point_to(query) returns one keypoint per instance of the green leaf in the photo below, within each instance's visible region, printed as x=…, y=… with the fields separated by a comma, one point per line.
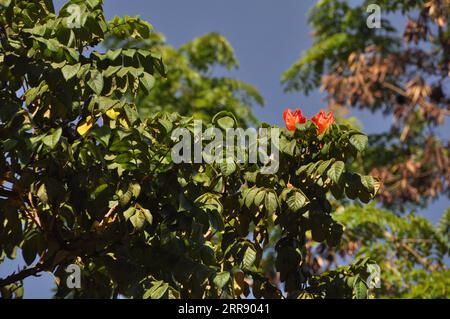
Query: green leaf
x=129, y=52
x=157, y=291
x=271, y=202
x=227, y=167
x=113, y=54
x=105, y=103
x=360, y=290
x=359, y=141
x=101, y=133
x=224, y=119
x=131, y=114
x=136, y=72
x=250, y=198
x=147, y=80
x=69, y=71
x=96, y=82
x=34, y=92
x=335, y=171
x=123, y=158
x=221, y=278
x=287, y=147
x=260, y=197
x=148, y=216
x=138, y=220
x=166, y=123
x=129, y=212
x=122, y=72
x=249, y=257
x=5, y=3
x=160, y=291
x=9, y=144
x=226, y=122
x=216, y=220
x=110, y=70
x=303, y=168
x=93, y=3
x=368, y=182
x=135, y=189
x=321, y=168
x=98, y=190
x=126, y=197
x=83, y=70
x=296, y=201
x=58, y=65
x=42, y=193
x=52, y=140
x=312, y=167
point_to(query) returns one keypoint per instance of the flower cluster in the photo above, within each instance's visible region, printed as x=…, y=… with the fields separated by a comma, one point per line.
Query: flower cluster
x=322, y=120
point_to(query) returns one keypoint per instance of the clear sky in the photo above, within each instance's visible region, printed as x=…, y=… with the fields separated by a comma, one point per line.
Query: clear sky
x=268, y=36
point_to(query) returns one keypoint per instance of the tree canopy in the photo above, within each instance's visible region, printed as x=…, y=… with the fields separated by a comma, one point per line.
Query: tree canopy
x=88, y=180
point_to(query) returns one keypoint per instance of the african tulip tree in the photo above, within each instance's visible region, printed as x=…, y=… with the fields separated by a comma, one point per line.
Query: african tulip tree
x=87, y=180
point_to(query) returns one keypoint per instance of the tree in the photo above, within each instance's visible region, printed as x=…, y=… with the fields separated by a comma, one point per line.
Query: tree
x=401, y=74
x=88, y=180
x=410, y=251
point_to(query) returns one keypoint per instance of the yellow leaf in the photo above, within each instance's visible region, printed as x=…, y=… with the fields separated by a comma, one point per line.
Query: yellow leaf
x=112, y=114
x=124, y=123
x=83, y=128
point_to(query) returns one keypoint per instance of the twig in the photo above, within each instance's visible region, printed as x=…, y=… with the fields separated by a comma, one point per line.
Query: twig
x=109, y=213
x=209, y=234
x=34, y=215
x=423, y=261
x=401, y=243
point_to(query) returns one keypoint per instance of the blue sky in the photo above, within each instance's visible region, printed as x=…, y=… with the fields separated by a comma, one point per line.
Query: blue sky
x=268, y=36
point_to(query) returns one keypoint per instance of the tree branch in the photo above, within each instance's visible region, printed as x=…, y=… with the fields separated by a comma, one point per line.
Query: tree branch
x=402, y=244
x=24, y=273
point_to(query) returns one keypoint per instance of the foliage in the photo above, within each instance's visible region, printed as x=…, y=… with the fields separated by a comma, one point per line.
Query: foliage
x=87, y=179
x=403, y=73
x=410, y=250
x=193, y=84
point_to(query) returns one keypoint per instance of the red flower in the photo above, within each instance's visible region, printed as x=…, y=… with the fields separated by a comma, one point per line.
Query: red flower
x=293, y=118
x=323, y=121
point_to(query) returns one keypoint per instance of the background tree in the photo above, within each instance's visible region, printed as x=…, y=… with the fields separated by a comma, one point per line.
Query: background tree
x=193, y=85
x=410, y=251
x=86, y=179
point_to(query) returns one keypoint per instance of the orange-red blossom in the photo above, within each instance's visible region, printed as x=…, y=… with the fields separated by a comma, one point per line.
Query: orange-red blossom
x=292, y=118
x=323, y=121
